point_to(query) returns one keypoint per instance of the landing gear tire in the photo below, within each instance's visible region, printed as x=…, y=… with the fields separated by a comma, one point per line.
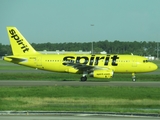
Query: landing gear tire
x=83, y=78
x=133, y=77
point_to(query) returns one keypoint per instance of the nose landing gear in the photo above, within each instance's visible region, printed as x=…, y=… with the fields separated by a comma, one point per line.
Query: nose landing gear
x=133, y=77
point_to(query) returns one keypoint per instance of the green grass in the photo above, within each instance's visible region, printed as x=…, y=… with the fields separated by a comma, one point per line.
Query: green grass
x=69, y=98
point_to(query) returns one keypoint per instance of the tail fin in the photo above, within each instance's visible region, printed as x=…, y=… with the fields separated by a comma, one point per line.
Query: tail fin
x=19, y=44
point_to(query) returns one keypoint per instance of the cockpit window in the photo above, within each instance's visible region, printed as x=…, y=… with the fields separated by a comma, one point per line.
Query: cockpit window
x=145, y=61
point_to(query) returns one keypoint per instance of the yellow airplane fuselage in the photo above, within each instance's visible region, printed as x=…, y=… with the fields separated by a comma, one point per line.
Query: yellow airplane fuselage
x=53, y=62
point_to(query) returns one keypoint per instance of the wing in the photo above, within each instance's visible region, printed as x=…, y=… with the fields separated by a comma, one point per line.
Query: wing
x=84, y=67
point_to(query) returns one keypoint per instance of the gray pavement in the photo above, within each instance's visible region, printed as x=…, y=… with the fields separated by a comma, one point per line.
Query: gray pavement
x=76, y=118
x=77, y=83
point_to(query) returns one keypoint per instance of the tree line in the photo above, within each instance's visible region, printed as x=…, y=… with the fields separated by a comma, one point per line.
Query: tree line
x=142, y=48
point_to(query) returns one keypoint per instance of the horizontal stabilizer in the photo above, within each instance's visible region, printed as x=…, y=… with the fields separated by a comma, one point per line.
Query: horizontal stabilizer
x=14, y=59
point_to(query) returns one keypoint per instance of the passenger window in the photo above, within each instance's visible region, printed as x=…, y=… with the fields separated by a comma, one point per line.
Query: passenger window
x=145, y=61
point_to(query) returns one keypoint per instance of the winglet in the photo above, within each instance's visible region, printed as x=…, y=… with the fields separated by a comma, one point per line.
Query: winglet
x=19, y=44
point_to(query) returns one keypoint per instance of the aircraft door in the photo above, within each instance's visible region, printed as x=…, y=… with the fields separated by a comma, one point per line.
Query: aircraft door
x=38, y=62
x=134, y=61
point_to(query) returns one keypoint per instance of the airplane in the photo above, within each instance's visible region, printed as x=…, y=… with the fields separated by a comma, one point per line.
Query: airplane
x=95, y=65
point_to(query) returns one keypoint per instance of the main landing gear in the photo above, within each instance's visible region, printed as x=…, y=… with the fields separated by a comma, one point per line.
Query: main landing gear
x=84, y=77
x=133, y=77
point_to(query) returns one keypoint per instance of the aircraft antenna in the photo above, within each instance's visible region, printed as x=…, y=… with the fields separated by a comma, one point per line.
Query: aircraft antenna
x=157, y=50
x=92, y=52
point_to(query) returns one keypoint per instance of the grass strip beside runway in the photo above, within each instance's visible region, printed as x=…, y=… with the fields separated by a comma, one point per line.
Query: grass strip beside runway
x=70, y=98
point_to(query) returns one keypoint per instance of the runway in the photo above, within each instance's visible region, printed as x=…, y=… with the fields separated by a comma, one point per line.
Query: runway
x=77, y=83
x=75, y=118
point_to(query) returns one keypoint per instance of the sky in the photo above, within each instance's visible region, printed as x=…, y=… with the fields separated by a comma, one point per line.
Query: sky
x=59, y=21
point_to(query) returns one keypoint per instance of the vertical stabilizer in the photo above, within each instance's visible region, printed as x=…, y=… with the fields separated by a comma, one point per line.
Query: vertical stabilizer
x=19, y=44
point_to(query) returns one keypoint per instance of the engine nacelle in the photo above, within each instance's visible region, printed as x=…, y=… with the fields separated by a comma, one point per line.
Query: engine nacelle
x=72, y=70
x=102, y=73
